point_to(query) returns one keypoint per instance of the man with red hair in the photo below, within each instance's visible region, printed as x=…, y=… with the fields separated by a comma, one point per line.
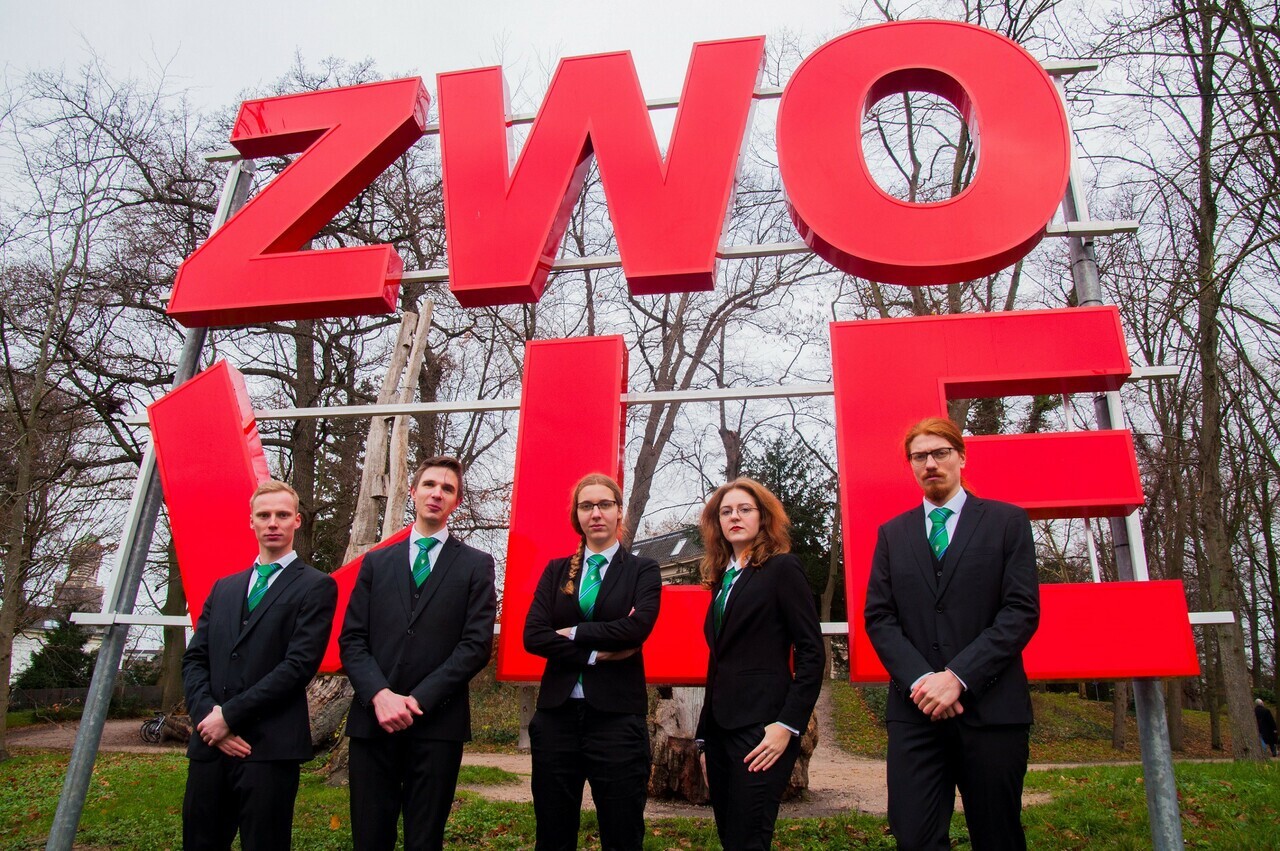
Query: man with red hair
x=952, y=601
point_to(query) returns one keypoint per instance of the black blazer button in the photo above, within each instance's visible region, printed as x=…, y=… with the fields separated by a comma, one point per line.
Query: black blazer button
x=938, y=610
x=235, y=655
x=408, y=632
x=935, y=645
x=244, y=622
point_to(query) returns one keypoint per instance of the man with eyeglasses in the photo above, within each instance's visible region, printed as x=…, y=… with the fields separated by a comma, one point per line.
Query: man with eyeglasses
x=419, y=626
x=952, y=601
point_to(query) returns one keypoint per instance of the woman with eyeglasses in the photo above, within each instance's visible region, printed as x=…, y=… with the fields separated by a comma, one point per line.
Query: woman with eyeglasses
x=761, y=618
x=591, y=613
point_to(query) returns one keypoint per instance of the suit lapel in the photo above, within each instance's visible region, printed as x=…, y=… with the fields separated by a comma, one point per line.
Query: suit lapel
x=970, y=517
x=735, y=594
x=452, y=547
x=400, y=575
x=287, y=577
x=612, y=576
x=918, y=543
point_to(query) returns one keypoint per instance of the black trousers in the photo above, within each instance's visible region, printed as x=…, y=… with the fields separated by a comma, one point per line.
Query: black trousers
x=745, y=802
x=573, y=744
x=927, y=762
x=394, y=774
x=226, y=794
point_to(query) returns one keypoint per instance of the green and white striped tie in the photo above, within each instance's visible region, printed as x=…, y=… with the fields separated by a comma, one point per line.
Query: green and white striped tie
x=259, y=589
x=590, y=585
x=938, y=531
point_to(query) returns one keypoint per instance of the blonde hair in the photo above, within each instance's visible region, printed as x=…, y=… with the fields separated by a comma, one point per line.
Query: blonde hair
x=772, y=538
x=575, y=563
x=275, y=486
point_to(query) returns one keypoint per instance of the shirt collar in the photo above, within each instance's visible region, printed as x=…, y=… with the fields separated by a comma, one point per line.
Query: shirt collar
x=955, y=503
x=414, y=535
x=284, y=560
x=608, y=553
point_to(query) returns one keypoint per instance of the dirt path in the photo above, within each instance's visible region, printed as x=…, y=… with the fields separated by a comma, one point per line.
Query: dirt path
x=838, y=782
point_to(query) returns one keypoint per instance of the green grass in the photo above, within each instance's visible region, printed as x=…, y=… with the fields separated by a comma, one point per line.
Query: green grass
x=485, y=775
x=1067, y=729
x=21, y=718
x=135, y=801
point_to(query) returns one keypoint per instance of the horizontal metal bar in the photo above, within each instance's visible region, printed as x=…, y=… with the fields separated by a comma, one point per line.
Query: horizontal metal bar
x=654, y=397
x=1094, y=228
x=828, y=627
x=1201, y=618
x=108, y=618
x=1154, y=373
x=718, y=394
x=1056, y=68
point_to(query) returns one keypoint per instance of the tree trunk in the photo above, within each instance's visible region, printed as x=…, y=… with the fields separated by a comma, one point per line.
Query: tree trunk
x=677, y=772
x=328, y=700
x=1173, y=713
x=175, y=637
x=1119, y=713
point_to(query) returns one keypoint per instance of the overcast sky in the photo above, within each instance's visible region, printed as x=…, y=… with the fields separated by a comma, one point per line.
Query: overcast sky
x=218, y=50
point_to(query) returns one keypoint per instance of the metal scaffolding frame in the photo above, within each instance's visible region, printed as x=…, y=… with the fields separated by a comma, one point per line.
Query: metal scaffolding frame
x=120, y=595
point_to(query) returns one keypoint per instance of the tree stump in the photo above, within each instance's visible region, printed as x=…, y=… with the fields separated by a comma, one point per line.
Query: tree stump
x=677, y=770
x=177, y=728
x=328, y=700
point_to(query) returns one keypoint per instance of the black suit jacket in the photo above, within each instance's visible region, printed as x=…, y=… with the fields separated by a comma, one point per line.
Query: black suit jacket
x=257, y=667
x=975, y=620
x=626, y=610
x=770, y=614
x=429, y=649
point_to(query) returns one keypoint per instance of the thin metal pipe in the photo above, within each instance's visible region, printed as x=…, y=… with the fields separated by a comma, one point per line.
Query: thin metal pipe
x=132, y=560
x=715, y=394
x=1126, y=535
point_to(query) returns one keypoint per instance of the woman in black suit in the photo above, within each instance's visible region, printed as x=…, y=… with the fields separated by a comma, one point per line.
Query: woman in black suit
x=761, y=617
x=590, y=615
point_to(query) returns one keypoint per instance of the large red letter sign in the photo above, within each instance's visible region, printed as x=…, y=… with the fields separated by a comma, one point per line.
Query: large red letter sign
x=1009, y=103
x=569, y=429
x=210, y=459
x=505, y=225
x=891, y=373
x=251, y=270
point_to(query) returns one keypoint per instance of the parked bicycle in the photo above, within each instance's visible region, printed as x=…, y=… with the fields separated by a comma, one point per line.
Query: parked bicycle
x=153, y=729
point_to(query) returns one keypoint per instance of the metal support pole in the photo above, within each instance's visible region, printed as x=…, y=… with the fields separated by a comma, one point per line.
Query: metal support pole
x=1126, y=534
x=132, y=560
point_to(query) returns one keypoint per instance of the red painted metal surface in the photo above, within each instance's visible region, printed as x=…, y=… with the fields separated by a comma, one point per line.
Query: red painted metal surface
x=1117, y=630
x=1003, y=94
x=505, y=224
x=890, y=373
x=251, y=269
x=571, y=424
x=569, y=428
x=210, y=460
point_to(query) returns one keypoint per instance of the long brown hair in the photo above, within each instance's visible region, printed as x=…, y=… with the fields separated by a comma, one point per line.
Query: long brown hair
x=772, y=539
x=575, y=563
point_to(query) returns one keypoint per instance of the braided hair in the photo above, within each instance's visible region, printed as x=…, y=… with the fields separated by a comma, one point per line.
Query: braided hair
x=575, y=563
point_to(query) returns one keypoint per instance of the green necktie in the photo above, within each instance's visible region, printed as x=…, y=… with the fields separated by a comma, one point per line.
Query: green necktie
x=938, y=531
x=590, y=585
x=422, y=561
x=723, y=596
x=259, y=589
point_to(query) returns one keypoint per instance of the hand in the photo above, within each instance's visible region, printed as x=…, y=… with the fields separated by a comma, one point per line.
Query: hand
x=235, y=746
x=764, y=755
x=616, y=655
x=702, y=763
x=395, y=711
x=938, y=695
x=213, y=729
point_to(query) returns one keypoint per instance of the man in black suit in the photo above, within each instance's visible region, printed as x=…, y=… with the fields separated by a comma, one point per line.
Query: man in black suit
x=259, y=641
x=419, y=626
x=952, y=601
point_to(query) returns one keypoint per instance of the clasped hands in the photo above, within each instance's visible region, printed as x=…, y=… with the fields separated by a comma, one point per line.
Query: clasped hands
x=395, y=712
x=938, y=695
x=215, y=733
